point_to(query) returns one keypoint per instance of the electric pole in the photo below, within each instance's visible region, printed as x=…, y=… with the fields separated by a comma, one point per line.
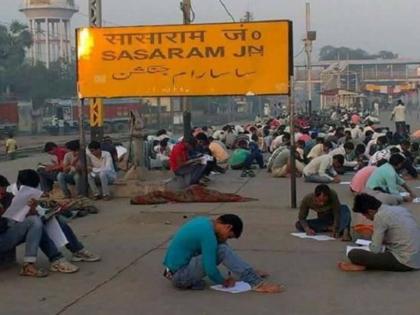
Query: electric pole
x=248, y=17
x=96, y=104
x=186, y=115
x=309, y=38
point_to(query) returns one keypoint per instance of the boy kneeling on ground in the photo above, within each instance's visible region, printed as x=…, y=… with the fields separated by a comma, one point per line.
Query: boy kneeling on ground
x=200, y=246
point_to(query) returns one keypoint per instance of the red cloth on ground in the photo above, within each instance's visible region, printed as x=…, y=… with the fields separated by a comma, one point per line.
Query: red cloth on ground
x=195, y=193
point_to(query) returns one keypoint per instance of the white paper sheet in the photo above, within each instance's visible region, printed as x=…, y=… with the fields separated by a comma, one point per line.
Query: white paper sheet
x=19, y=207
x=206, y=158
x=120, y=151
x=404, y=194
x=345, y=183
x=318, y=237
x=416, y=200
x=55, y=233
x=363, y=242
x=239, y=287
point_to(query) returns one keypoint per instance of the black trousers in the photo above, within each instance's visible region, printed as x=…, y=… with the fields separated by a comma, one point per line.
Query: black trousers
x=382, y=261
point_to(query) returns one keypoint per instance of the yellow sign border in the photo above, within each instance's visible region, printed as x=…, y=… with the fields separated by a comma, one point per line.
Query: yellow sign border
x=290, y=60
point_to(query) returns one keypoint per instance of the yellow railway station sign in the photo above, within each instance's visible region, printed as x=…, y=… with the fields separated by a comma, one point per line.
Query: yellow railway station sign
x=253, y=58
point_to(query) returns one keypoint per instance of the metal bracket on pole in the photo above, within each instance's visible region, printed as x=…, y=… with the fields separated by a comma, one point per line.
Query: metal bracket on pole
x=96, y=104
x=95, y=13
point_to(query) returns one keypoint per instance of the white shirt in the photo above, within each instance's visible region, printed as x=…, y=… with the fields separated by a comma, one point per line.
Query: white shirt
x=316, y=151
x=379, y=155
x=104, y=163
x=277, y=142
x=368, y=146
x=319, y=166
x=398, y=113
x=356, y=133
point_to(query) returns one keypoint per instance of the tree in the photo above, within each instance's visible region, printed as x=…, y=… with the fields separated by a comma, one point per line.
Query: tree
x=343, y=53
x=385, y=54
x=39, y=83
x=22, y=80
x=13, y=43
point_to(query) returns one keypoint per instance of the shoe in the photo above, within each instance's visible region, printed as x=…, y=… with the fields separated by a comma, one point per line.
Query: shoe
x=29, y=270
x=106, y=198
x=96, y=197
x=85, y=255
x=244, y=173
x=63, y=266
x=251, y=173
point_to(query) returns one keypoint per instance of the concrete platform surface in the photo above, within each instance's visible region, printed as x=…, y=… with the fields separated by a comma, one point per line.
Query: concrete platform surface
x=132, y=241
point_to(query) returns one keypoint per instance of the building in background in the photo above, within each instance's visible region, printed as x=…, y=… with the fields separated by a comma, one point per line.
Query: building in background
x=49, y=23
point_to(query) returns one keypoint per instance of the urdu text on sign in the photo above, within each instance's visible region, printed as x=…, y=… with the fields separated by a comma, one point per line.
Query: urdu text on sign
x=185, y=60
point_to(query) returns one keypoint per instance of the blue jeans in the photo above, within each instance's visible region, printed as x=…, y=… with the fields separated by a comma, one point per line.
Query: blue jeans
x=191, y=173
x=105, y=178
x=255, y=155
x=50, y=249
x=29, y=232
x=69, y=178
x=322, y=224
x=318, y=179
x=192, y=275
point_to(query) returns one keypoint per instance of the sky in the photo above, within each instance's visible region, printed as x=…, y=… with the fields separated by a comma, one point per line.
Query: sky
x=372, y=25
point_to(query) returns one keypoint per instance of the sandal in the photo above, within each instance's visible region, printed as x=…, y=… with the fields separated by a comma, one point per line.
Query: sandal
x=29, y=270
x=63, y=266
x=349, y=267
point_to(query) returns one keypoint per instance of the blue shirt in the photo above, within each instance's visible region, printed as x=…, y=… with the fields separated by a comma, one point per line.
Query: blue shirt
x=386, y=178
x=196, y=237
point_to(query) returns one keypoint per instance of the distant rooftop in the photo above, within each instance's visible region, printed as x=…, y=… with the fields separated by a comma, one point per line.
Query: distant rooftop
x=326, y=63
x=53, y=3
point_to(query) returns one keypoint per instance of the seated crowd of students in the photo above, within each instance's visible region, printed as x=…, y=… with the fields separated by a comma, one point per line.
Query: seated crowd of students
x=381, y=164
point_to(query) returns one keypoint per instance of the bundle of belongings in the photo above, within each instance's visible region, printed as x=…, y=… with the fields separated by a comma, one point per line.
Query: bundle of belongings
x=79, y=207
x=195, y=193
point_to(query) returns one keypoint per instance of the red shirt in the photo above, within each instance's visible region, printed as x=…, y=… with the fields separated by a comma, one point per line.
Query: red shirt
x=355, y=119
x=305, y=137
x=179, y=155
x=60, y=152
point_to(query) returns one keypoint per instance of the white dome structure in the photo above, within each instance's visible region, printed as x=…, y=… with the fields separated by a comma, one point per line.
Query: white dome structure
x=49, y=23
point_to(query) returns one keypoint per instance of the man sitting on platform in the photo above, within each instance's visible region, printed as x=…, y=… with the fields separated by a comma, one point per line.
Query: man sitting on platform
x=190, y=170
x=394, y=227
x=200, y=246
x=322, y=169
x=385, y=183
x=332, y=216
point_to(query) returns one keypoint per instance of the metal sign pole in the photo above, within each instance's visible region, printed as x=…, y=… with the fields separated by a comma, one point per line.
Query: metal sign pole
x=292, y=145
x=83, y=159
x=186, y=115
x=97, y=112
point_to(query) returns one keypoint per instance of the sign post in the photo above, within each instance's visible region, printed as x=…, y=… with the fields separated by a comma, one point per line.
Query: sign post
x=185, y=60
x=96, y=105
x=253, y=58
x=292, y=145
